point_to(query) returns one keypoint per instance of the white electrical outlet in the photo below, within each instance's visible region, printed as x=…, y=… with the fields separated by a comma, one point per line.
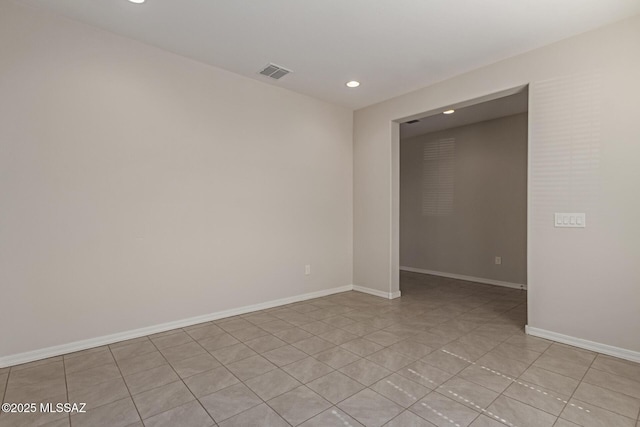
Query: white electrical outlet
x=307, y=269
x=498, y=260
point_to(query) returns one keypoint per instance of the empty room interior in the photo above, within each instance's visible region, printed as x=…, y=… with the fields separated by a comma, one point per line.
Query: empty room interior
x=285, y=213
x=463, y=193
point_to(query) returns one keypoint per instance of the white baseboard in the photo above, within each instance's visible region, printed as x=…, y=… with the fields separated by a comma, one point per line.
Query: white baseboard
x=381, y=294
x=609, y=350
x=45, y=353
x=467, y=278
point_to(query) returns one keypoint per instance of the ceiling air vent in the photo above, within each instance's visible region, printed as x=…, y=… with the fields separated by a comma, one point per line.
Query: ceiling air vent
x=274, y=71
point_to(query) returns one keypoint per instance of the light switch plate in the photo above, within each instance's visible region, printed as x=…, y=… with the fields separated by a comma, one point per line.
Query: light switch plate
x=570, y=220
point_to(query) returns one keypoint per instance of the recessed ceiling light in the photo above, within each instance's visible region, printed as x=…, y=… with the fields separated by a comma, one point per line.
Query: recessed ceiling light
x=137, y=1
x=449, y=112
x=353, y=83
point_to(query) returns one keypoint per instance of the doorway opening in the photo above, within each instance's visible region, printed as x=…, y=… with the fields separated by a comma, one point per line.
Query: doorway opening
x=462, y=195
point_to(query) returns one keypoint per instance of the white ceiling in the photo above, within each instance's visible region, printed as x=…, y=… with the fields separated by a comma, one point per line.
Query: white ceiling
x=488, y=110
x=391, y=46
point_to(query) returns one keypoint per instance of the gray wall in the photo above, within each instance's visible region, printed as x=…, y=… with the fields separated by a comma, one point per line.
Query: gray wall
x=584, y=151
x=463, y=200
x=138, y=187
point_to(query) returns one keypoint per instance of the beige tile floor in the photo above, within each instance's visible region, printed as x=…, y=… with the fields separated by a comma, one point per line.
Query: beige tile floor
x=448, y=353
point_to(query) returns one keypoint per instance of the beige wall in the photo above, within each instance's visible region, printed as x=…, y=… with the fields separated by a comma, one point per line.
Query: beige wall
x=138, y=187
x=584, y=151
x=463, y=200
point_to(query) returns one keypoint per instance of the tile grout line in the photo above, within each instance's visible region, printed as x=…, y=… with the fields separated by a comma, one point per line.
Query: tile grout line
x=66, y=385
x=574, y=391
x=484, y=410
x=302, y=384
x=424, y=404
x=135, y=373
x=565, y=402
x=4, y=391
x=437, y=387
x=518, y=382
x=500, y=394
x=609, y=373
x=533, y=388
x=6, y=386
x=181, y=380
x=580, y=382
x=239, y=381
x=125, y=384
x=221, y=365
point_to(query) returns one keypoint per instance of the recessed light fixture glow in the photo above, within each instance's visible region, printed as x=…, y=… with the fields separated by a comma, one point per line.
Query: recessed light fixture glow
x=137, y=1
x=449, y=112
x=353, y=83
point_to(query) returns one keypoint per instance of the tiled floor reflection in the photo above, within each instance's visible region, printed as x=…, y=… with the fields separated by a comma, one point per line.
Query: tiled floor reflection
x=447, y=353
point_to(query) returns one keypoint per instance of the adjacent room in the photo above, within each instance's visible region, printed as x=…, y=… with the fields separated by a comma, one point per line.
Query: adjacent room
x=463, y=193
x=285, y=213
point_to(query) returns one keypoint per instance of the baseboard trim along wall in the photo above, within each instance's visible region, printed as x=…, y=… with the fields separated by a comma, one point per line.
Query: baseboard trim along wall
x=381, y=294
x=141, y=332
x=467, y=278
x=609, y=350
x=58, y=350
